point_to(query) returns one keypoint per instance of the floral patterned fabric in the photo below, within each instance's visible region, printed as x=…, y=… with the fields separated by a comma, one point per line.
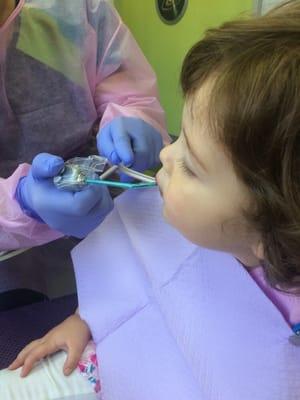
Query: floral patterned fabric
x=88, y=366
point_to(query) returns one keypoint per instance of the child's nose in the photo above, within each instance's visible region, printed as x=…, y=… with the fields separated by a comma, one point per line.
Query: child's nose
x=166, y=157
x=163, y=155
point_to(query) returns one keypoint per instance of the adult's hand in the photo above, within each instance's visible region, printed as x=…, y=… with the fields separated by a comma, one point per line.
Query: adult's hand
x=72, y=213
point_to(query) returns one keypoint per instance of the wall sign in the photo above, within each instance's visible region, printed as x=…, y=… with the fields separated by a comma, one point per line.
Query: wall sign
x=171, y=11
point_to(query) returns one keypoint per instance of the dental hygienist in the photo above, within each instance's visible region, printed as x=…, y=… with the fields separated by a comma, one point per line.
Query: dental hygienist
x=70, y=72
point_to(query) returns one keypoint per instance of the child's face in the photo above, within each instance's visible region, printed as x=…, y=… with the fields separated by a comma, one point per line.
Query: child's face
x=203, y=198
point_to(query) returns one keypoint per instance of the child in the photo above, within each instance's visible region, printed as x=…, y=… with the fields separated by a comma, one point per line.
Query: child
x=66, y=67
x=178, y=321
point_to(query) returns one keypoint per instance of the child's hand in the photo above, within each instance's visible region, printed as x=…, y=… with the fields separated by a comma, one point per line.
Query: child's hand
x=71, y=335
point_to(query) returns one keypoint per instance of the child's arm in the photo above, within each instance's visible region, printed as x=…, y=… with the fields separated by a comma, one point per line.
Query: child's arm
x=71, y=335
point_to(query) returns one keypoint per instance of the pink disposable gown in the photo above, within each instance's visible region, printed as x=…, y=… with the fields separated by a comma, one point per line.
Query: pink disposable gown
x=176, y=321
x=64, y=65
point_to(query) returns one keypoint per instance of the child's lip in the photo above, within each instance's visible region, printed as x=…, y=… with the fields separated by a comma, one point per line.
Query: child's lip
x=159, y=184
x=157, y=178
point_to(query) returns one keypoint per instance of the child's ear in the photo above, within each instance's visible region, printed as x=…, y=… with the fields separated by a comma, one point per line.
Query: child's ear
x=258, y=250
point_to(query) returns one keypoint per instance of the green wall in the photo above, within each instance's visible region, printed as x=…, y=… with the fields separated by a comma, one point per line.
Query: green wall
x=165, y=45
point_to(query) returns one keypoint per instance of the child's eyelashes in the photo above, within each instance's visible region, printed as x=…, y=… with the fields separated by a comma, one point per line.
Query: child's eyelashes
x=185, y=168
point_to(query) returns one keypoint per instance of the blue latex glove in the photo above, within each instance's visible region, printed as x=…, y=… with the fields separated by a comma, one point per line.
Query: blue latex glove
x=72, y=213
x=131, y=141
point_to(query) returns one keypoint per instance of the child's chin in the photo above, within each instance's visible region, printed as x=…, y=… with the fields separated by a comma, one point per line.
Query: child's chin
x=160, y=192
x=166, y=216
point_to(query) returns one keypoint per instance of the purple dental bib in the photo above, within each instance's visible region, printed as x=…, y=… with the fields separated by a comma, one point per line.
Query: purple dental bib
x=173, y=321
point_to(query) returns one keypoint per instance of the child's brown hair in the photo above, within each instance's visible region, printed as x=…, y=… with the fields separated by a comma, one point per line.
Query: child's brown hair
x=254, y=109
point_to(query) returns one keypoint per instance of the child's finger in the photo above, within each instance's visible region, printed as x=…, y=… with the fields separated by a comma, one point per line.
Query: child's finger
x=36, y=355
x=72, y=360
x=15, y=364
x=23, y=353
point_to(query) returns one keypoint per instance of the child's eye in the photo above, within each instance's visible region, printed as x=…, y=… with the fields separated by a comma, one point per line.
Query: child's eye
x=184, y=167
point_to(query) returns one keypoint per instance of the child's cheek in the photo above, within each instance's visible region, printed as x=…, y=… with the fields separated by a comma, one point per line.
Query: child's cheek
x=173, y=209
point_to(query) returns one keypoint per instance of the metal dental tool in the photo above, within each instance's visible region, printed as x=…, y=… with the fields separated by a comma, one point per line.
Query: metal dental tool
x=79, y=172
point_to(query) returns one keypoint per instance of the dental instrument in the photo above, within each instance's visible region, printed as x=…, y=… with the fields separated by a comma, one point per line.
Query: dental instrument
x=79, y=172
